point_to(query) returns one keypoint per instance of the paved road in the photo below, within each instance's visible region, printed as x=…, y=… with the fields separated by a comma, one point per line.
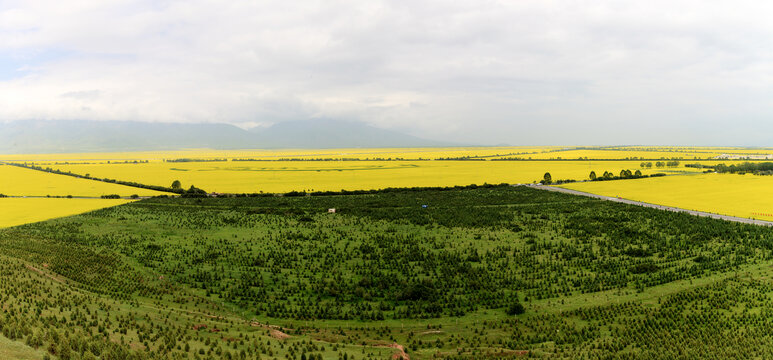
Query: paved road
x=655, y=206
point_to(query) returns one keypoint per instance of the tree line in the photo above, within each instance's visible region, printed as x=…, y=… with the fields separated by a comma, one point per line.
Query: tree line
x=660, y=164
x=547, y=179
x=765, y=168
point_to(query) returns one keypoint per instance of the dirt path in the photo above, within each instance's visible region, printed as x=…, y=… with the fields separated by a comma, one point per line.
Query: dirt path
x=655, y=206
x=46, y=274
x=400, y=353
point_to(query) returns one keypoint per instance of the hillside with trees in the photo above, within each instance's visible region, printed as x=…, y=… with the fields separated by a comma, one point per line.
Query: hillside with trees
x=494, y=271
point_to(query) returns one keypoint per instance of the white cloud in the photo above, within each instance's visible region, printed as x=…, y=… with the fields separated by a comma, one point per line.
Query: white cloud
x=474, y=71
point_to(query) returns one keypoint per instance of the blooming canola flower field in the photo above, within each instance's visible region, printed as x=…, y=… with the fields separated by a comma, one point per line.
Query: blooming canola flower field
x=523, y=152
x=285, y=176
x=29, y=192
x=279, y=171
x=17, y=181
x=347, y=153
x=747, y=196
x=17, y=211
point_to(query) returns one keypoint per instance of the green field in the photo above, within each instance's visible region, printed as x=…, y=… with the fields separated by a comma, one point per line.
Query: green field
x=443, y=273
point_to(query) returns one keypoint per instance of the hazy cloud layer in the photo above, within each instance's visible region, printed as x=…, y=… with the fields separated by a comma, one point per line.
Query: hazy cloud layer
x=518, y=72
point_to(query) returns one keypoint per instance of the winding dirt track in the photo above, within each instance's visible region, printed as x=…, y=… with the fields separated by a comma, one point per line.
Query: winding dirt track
x=655, y=206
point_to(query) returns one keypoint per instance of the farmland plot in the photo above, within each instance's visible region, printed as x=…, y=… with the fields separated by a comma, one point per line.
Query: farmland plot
x=284, y=176
x=747, y=196
x=17, y=181
x=17, y=211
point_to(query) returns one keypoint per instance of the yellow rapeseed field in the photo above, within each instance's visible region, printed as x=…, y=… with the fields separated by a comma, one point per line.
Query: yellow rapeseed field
x=623, y=154
x=284, y=176
x=533, y=152
x=747, y=196
x=729, y=194
x=695, y=149
x=536, y=152
x=18, y=181
x=17, y=211
x=358, y=153
x=636, y=152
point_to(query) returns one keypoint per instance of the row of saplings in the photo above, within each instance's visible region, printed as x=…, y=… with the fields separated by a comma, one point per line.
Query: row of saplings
x=295, y=253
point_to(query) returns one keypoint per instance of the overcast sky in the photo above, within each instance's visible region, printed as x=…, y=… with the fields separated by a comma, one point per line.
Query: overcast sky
x=517, y=72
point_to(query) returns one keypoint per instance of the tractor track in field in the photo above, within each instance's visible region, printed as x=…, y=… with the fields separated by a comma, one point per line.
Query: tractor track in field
x=655, y=206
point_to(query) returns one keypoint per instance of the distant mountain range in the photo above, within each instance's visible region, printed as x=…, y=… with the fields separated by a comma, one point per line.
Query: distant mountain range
x=48, y=136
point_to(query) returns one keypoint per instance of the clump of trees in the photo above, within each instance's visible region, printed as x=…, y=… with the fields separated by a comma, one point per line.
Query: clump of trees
x=547, y=179
x=194, y=192
x=764, y=168
x=515, y=308
x=660, y=164
x=624, y=174
x=761, y=168
x=607, y=175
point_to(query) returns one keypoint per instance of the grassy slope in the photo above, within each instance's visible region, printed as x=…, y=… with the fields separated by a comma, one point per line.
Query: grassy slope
x=10, y=349
x=718, y=310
